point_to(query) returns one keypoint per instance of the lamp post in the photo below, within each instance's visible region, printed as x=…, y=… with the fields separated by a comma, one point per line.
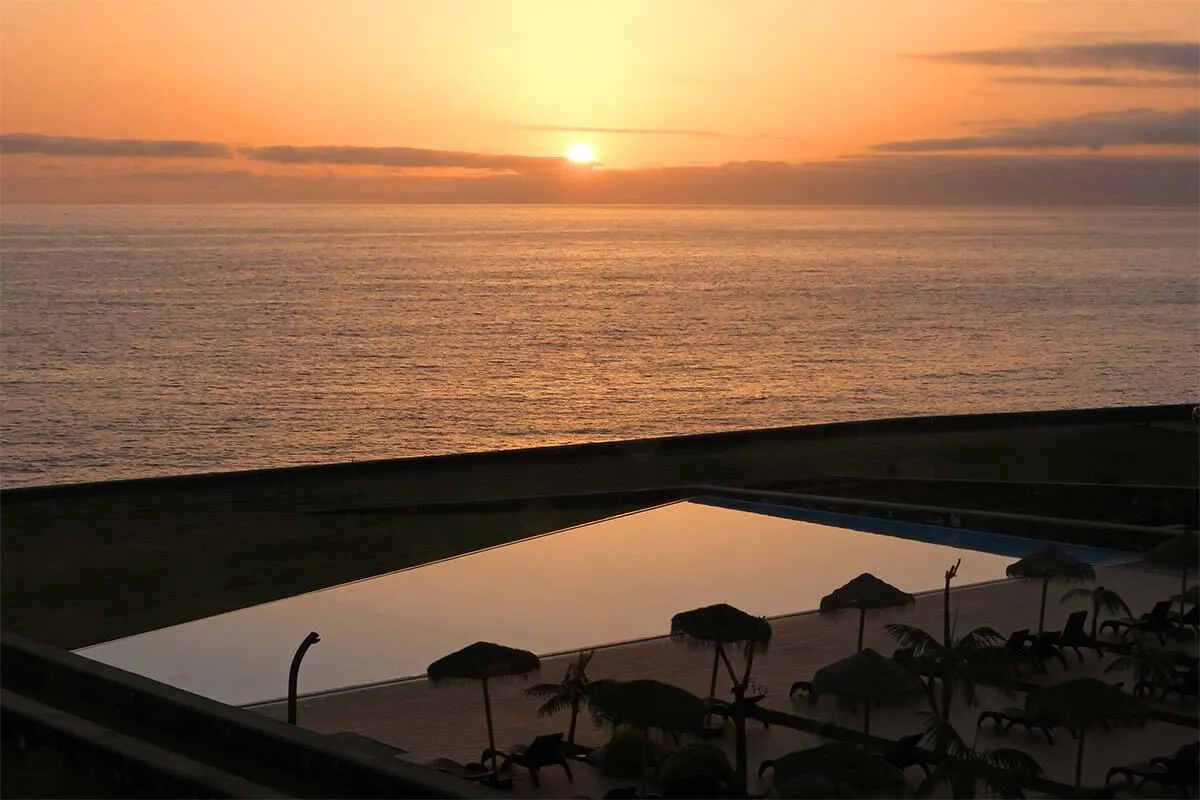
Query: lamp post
x=294, y=673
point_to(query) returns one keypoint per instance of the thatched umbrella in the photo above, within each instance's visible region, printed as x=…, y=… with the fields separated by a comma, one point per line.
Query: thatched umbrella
x=1181, y=551
x=1050, y=563
x=479, y=662
x=1083, y=703
x=645, y=705
x=718, y=626
x=867, y=677
x=865, y=593
x=840, y=763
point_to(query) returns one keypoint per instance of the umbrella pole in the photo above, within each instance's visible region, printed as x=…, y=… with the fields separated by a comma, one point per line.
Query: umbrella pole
x=867, y=718
x=712, y=689
x=1079, y=755
x=1042, y=613
x=862, y=622
x=1182, y=589
x=487, y=710
x=645, y=752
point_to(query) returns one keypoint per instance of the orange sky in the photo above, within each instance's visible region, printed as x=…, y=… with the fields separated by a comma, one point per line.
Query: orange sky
x=774, y=80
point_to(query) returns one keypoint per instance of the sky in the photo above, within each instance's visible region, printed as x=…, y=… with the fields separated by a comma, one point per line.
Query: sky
x=680, y=100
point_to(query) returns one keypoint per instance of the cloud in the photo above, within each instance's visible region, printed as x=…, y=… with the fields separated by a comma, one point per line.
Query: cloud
x=37, y=144
x=1106, y=81
x=1133, y=127
x=961, y=179
x=1171, y=57
x=399, y=157
x=192, y=175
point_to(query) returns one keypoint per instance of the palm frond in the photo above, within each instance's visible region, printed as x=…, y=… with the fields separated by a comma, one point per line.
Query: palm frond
x=1078, y=593
x=941, y=775
x=1112, y=602
x=942, y=736
x=913, y=637
x=543, y=689
x=1013, y=761
x=981, y=637
x=554, y=705
x=1149, y=664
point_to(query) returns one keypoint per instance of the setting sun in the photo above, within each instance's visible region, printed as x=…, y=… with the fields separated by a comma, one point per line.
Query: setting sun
x=581, y=153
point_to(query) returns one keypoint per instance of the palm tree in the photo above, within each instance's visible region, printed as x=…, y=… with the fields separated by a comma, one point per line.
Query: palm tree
x=1102, y=600
x=570, y=692
x=958, y=662
x=721, y=627
x=964, y=769
x=1150, y=665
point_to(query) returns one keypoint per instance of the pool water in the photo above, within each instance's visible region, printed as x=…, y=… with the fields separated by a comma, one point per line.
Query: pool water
x=615, y=580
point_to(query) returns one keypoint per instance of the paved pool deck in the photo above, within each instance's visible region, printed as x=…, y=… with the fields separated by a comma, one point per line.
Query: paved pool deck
x=431, y=722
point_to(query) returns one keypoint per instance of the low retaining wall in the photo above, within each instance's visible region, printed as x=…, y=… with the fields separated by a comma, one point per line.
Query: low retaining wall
x=632, y=450
x=291, y=760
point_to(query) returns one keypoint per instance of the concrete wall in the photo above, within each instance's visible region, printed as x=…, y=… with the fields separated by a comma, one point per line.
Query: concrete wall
x=86, y=708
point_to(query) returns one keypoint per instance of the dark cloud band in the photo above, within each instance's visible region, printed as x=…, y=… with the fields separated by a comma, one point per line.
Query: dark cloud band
x=1134, y=127
x=38, y=144
x=398, y=157
x=1173, y=57
x=1103, y=81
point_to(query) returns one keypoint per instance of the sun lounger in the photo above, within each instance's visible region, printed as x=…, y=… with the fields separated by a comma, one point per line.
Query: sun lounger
x=1191, y=618
x=1074, y=636
x=544, y=751
x=1011, y=716
x=1043, y=648
x=1185, y=683
x=1156, y=621
x=1177, y=771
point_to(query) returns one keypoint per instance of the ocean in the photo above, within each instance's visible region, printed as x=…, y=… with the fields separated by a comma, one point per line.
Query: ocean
x=159, y=340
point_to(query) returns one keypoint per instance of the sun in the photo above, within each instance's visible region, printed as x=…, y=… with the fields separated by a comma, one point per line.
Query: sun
x=581, y=153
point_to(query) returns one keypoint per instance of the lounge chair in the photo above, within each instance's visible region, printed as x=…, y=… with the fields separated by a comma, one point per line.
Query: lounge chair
x=1186, y=627
x=1075, y=636
x=1017, y=640
x=1011, y=716
x=1185, y=683
x=1156, y=621
x=1044, y=647
x=905, y=752
x=1178, y=771
x=544, y=751
x=1016, y=649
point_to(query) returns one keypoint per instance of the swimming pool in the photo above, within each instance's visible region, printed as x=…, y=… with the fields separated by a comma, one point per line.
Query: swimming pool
x=615, y=580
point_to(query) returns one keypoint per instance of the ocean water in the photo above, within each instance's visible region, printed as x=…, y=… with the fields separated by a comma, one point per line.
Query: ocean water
x=139, y=341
